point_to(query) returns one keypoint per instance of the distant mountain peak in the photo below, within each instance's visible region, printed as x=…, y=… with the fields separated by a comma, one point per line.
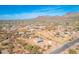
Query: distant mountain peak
x=72, y=14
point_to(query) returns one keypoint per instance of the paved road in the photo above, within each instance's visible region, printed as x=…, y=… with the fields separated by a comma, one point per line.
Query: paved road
x=65, y=46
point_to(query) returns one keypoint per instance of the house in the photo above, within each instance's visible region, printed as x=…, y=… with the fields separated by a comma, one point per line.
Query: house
x=38, y=39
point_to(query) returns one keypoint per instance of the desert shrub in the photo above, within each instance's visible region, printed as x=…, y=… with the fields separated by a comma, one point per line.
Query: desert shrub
x=72, y=51
x=28, y=47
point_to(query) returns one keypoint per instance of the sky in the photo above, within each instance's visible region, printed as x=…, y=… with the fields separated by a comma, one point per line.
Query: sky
x=10, y=12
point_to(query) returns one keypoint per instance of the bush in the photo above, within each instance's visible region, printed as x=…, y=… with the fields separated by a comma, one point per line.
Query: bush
x=72, y=51
x=28, y=47
x=32, y=48
x=35, y=49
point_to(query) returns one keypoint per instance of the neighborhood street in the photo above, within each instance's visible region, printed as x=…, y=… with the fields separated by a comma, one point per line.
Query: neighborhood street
x=65, y=46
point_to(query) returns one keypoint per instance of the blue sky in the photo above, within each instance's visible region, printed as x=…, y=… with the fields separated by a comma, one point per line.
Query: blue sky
x=32, y=11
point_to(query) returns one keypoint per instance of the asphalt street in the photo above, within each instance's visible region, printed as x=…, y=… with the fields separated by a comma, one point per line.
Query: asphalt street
x=65, y=46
